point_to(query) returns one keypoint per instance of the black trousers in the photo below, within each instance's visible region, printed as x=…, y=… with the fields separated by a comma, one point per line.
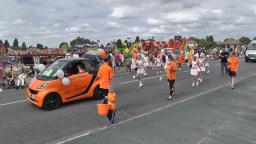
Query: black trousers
x=104, y=93
x=171, y=84
x=111, y=116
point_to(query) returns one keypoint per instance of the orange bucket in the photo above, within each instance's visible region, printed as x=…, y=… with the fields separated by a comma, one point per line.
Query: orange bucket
x=103, y=109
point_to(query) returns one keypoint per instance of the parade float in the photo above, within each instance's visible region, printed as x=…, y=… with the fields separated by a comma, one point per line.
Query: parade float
x=178, y=43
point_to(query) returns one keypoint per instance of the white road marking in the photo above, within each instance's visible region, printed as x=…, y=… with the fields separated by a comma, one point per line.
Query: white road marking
x=4, y=104
x=138, y=80
x=148, y=113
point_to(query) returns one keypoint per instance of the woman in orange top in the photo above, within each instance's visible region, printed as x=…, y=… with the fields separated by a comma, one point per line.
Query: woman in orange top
x=112, y=98
x=180, y=60
x=105, y=75
x=232, y=67
x=171, y=69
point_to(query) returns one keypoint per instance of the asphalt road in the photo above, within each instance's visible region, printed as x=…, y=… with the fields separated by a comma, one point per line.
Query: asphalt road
x=22, y=122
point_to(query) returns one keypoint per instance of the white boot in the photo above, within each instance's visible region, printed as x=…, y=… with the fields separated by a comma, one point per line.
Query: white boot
x=141, y=84
x=161, y=78
x=133, y=76
x=170, y=97
x=193, y=84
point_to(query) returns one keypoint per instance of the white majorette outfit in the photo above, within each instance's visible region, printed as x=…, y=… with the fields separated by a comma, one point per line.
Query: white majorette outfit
x=146, y=61
x=207, y=64
x=133, y=67
x=194, y=68
x=201, y=62
x=140, y=65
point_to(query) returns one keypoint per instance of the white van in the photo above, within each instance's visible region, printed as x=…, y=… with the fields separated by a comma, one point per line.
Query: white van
x=250, y=54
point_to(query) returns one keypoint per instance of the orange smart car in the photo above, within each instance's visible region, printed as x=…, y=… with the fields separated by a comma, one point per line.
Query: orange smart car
x=48, y=92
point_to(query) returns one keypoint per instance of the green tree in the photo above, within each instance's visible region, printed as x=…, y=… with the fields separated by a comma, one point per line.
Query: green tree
x=80, y=41
x=245, y=40
x=15, y=43
x=254, y=38
x=102, y=46
x=137, y=39
x=39, y=46
x=24, y=46
x=210, y=38
x=6, y=44
x=119, y=43
x=65, y=46
x=1, y=42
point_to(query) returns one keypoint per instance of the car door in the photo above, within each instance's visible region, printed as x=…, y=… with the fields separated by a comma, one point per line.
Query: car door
x=79, y=81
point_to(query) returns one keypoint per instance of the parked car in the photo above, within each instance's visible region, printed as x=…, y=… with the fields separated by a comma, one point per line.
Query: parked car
x=250, y=53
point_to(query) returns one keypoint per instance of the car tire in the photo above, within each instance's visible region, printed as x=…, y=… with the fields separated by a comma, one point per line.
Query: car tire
x=51, y=102
x=246, y=60
x=97, y=94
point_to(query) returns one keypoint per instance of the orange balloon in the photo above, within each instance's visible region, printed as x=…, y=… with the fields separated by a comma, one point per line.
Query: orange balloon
x=102, y=53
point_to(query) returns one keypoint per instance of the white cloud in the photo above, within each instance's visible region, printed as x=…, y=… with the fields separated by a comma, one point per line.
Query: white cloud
x=56, y=25
x=4, y=33
x=125, y=12
x=182, y=17
x=72, y=29
x=17, y=22
x=111, y=25
x=136, y=29
x=154, y=21
x=158, y=31
x=185, y=30
x=227, y=27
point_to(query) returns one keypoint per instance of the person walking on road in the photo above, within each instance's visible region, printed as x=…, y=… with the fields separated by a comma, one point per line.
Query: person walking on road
x=105, y=75
x=223, y=63
x=201, y=69
x=141, y=70
x=232, y=67
x=194, y=71
x=180, y=60
x=112, y=102
x=171, y=69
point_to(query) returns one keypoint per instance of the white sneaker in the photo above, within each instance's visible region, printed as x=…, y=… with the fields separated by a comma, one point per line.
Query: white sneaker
x=208, y=72
x=180, y=69
x=193, y=84
x=197, y=83
x=170, y=97
x=1, y=90
x=145, y=74
x=133, y=76
x=157, y=73
x=140, y=84
x=161, y=78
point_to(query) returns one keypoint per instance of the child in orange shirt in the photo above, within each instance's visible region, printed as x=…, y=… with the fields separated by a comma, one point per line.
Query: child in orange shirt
x=171, y=69
x=112, y=102
x=232, y=67
x=180, y=60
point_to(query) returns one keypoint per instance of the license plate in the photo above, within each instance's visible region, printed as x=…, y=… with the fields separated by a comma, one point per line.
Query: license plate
x=252, y=57
x=32, y=96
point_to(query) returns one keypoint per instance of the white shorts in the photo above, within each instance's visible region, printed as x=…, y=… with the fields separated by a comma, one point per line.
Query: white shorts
x=194, y=72
x=140, y=71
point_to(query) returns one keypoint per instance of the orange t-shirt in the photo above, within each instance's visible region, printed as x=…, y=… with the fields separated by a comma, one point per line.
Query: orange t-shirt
x=233, y=63
x=105, y=75
x=112, y=98
x=171, y=70
x=181, y=59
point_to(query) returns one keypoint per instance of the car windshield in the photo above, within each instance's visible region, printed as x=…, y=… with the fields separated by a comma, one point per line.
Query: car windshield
x=252, y=47
x=50, y=72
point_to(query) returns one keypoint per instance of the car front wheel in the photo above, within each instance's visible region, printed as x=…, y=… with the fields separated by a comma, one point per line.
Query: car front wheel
x=51, y=102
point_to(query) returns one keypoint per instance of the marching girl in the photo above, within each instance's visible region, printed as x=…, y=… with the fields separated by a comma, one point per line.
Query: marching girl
x=158, y=64
x=146, y=63
x=133, y=66
x=194, y=71
x=141, y=70
x=207, y=64
x=201, y=69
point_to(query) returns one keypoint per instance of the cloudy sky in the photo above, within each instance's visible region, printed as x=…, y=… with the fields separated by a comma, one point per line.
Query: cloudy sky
x=52, y=21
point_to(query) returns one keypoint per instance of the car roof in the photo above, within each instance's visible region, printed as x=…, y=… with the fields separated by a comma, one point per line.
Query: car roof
x=73, y=59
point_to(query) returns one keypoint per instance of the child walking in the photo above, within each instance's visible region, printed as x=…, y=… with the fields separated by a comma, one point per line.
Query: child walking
x=112, y=102
x=171, y=69
x=194, y=71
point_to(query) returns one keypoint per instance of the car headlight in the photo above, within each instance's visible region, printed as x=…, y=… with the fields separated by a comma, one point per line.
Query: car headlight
x=42, y=86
